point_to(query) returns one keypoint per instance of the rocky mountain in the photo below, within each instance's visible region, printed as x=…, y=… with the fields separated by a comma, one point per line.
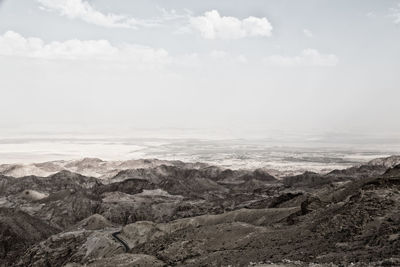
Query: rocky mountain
x=93, y=167
x=388, y=162
x=180, y=214
x=375, y=167
x=18, y=231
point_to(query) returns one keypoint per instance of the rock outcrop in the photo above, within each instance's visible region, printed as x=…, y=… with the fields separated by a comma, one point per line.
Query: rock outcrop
x=167, y=215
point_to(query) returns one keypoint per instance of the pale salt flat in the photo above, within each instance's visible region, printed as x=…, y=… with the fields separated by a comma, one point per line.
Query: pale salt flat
x=285, y=159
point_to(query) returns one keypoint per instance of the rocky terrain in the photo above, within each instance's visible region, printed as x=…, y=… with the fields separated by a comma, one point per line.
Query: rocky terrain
x=93, y=167
x=168, y=213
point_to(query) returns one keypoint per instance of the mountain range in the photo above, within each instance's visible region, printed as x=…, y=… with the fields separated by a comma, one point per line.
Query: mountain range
x=152, y=212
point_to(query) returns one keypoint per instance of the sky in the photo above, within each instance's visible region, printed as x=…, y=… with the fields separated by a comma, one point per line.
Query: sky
x=240, y=68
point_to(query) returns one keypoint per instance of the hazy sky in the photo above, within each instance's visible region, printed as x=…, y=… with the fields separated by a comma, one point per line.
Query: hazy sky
x=258, y=67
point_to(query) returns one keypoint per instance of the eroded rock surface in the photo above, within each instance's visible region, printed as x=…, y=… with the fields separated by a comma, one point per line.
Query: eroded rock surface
x=199, y=215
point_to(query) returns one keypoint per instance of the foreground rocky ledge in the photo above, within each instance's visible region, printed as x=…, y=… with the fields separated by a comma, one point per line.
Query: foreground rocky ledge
x=199, y=215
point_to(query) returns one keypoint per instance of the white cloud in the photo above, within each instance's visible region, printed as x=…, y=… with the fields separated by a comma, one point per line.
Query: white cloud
x=371, y=15
x=241, y=59
x=104, y=53
x=213, y=26
x=308, y=33
x=223, y=56
x=172, y=14
x=218, y=54
x=395, y=14
x=15, y=45
x=81, y=9
x=308, y=58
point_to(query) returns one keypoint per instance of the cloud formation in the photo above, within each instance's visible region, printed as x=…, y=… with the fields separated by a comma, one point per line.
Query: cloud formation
x=81, y=9
x=16, y=45
x=396, y=14
x=104, y=53
x=214, y=26
x=223, y=56
x=308, y=33
x=13, y=44
x=307, y=58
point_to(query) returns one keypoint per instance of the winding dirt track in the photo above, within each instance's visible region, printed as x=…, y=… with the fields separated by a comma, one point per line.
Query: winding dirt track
x=115, y=235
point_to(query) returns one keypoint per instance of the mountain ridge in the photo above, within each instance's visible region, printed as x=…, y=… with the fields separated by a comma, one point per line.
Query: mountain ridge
x=247, y=214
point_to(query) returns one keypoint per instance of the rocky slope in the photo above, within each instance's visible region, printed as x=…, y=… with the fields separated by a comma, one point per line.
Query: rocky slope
x=93, y=167
x=200, y=215
x=18, y=231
